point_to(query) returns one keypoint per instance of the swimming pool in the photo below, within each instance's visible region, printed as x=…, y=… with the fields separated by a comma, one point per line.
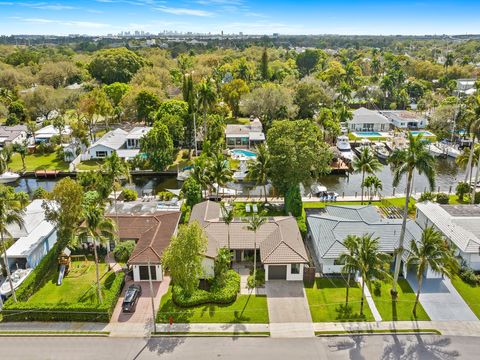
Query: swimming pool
x=423, y=132
x=245, y=153
x=368, y=134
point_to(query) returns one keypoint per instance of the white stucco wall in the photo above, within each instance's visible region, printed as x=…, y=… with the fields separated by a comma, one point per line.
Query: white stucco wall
x=290, y=276
x=328, y=266
x=93, y=151
x=136, y=272
x=208, y=267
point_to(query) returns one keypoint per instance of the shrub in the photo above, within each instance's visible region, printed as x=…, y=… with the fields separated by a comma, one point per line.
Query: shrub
x=45, y=148
x=192, y=191
x=123, y=250
x=462, y=189
x=225, y=294
x=260, y=279
x=427, y=196
x=477, y=197
x=442, y=198
x=165, y=196
x=293, y=201
x=186, y=211
x=40, y=193
x=468, y=276
x=377, y=287
x=129, y=195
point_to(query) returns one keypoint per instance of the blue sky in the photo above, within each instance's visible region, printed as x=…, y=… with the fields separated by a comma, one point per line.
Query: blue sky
x=232, y=16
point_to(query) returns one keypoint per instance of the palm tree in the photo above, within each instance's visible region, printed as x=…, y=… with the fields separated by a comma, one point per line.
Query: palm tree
x=405, y=162
x=258, y=168
x=98, y=229
x=431, y=252
x=369, y=262
x=367, y=162
x=220, y=171
x=254, y=223
x=206, y=99
x=464, y=161
x=373, y=184
x=21, y=149
x=349, y=259
x=116, y=168
x=11, y=212
x=200, y=172
x=227, y=216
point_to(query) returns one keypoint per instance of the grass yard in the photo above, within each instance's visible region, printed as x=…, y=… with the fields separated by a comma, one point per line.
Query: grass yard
x=469, y=293
x=237, y=121
x=326, y=299
x=37, y=162
x=246, y=309
x=400, y=309
x=180, y=161
x=90, y=165
x=78, y=286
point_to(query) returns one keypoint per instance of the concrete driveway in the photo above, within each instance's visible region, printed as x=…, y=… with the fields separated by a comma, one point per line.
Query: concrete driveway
x=288, y=309
x=441, y=300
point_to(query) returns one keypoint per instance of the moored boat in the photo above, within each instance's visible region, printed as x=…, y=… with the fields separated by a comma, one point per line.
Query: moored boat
x=8, y=177
x=343, y=144
x=18, y=277
x=381, y=151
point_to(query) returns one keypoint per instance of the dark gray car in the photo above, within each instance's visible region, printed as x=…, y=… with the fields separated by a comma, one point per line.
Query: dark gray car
x=132, y=295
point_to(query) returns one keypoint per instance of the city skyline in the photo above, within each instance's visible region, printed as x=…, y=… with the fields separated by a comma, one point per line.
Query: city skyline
x=102, y=17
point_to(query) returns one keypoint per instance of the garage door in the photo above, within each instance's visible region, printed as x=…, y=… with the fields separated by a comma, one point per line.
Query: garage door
x=277, y=272
x=144, y=272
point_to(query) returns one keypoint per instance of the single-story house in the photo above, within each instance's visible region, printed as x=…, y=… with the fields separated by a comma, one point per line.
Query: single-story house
x=244, y=136
x=45, y=133
x=16, y=134
x=279, y=244
x=466, y=87
x=125, y=144
x=460, y=224
x=368, y=120
x=33, y=240
x=403, y=119
x=329, y=227
x=151, y=230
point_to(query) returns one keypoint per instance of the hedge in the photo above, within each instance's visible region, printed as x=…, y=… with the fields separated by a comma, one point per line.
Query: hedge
x=25, y=311
x=218, y=294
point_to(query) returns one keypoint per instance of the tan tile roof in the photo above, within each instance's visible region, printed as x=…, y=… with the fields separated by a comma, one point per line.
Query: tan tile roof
x=279, y=239
x=152, y=232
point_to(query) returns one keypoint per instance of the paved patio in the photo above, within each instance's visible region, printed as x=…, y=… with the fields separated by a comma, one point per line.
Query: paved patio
x=441, y=300
x=244, y=272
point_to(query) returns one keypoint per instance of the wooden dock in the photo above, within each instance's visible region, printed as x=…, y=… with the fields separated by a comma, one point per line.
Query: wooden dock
x=46, y=173
x=339, y=167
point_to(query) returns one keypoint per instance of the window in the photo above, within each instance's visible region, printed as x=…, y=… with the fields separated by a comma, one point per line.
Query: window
x=101, y=154
x=295, y=269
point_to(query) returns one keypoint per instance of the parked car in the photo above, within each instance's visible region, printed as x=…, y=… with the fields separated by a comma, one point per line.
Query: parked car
x=132, y=295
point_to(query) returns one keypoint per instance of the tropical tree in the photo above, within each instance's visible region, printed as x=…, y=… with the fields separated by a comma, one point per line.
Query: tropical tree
x=349, y=259
x=206, y=99
x=373, y=184
x=97, y=229
x=366, y=162
x=220, y=171
x=11, y=212
x=200, y=172
x=404, y=162
x=157, y=144
x=227, y=216
x=431, y=252
x=259, y=167
x=21, y=149
x=116, y=168
x=254, y=223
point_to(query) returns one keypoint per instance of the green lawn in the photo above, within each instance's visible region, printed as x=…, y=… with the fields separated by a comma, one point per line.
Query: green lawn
x=400, y=309
x=246, y=309
x=180, y=161
x=90, y=165
x=469, y=293
x=78, y=286
x=239, y=121
x=37, y=162
x=326, y=299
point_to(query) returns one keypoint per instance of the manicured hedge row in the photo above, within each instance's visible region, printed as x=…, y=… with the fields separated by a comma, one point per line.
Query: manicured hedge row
x=225, y=294
x=25, y=311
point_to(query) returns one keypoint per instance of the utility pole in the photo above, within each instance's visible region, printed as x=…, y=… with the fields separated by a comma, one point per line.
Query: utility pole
x=152, y=297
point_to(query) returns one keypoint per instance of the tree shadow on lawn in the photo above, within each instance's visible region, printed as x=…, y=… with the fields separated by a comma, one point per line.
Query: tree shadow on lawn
x=345, y=313
x=178, y=314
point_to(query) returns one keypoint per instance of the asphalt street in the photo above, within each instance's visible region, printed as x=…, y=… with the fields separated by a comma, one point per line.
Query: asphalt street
x=390, y=347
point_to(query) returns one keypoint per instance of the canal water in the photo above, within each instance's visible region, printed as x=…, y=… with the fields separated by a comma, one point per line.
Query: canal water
x=448, y=175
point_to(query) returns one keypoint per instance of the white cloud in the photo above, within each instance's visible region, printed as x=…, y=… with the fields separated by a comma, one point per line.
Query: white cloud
x=183, y=11
x=71, y=23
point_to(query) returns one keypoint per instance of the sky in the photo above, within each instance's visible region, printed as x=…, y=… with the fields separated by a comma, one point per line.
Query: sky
x=349, y=17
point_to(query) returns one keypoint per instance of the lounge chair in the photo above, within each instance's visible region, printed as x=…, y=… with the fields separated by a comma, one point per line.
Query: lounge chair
x=255, y=208
x=247, y=208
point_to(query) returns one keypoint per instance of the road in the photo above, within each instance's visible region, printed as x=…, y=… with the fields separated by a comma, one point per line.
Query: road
x=354, y=347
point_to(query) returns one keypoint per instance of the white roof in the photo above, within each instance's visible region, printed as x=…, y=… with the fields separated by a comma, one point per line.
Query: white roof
x=138, y=132
x=458, y=229
x=365, y=116
x=256, y=136
x=127, y=153
x=49, y=131
x=113, y=139
x=34, y=215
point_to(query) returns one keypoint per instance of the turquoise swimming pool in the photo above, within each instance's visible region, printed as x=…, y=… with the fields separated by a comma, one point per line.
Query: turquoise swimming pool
x=241, y=152
x=368, y=134
x=423, y=132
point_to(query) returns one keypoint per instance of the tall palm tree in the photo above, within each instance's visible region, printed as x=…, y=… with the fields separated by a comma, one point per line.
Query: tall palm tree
x=431, y=252
x=116, y=168
x=227, y=216
x=11, y=212
x=405, y=161
x=220, y=171
x=258, y=168
x=465, y=162
x=367, y=162
x=370, y=262
x=373, y=184
x=200, y=173
x=98, y=229
x=206, y=99
x=349, y=259
x=254, y=223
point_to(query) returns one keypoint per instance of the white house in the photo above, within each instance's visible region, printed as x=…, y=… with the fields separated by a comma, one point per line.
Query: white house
x=125, y=144
x=16, y=134
x=368, y=120
x=403, y=119
x=45, y=133
x=33, y=240
x=279, y=244
x=244, y=136
x=460, y=224
x=328, y=229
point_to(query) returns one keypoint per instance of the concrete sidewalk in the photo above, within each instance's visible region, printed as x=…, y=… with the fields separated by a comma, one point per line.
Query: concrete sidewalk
x=53, y=326
x=370, y=302
x=213, y=328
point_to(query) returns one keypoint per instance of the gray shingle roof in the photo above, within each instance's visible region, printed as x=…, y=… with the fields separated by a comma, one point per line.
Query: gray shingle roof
x=113, y=139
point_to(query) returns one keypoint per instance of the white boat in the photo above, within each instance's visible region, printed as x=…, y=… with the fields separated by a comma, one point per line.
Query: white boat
x=8, y=177
x=316, y=189
x=381, y=151
x=435, y=150
x=18, y=276
x=343, y=144
x=224, y=190
x=184, y=174
x=450, y=150
x=242, y=172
